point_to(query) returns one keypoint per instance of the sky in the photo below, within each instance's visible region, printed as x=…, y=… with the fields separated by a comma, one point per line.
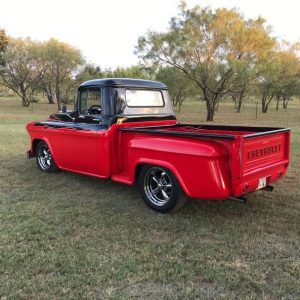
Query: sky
x=107, y=31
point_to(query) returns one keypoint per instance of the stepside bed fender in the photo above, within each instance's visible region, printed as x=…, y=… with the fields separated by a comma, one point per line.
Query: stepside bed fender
x=200, y=166
x=160, y=163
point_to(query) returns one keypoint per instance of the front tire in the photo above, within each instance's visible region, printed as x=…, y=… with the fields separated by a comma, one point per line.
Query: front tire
x=44, y=158
x=160, y=189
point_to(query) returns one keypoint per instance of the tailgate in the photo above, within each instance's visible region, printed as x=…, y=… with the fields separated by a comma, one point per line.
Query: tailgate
x=263, y=159
x=264, y=151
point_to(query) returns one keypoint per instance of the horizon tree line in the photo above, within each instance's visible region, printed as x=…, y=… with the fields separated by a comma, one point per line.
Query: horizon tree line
x=205, y=54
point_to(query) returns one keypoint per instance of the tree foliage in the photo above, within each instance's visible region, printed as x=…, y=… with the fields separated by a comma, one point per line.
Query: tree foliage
x=91, y=71
x=179, y=85
x=30, y=66
x=23, y=70
x=3, y=46
x=213, y=54
x=62, y=63
x=88, y=72
x=135, y=71
x=211, y=47
x=280, y=77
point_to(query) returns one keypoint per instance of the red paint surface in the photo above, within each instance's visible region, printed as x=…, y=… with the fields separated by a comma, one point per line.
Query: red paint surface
x=206, y=168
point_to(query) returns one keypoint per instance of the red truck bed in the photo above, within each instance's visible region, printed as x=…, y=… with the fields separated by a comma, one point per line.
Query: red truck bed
x=256, y=156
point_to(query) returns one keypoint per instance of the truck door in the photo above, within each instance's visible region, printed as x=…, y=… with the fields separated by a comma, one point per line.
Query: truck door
x=82, y=144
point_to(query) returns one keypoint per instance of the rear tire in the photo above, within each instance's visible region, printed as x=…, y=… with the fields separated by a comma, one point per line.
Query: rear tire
x=44, y=158
x=160, y=189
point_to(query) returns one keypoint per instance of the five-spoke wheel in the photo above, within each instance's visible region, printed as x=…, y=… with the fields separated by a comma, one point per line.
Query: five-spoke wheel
x=160, y=189
x=158, y=186
x=44, y=158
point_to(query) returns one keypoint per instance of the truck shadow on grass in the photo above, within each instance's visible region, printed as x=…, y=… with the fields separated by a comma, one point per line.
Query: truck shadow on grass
x=107, y=195
x=77, y=199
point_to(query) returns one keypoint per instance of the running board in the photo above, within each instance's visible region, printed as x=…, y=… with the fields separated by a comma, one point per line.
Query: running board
x=121, y=177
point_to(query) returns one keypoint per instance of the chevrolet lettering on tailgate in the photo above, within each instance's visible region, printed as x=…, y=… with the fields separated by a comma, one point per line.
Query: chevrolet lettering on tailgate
x=264, y=151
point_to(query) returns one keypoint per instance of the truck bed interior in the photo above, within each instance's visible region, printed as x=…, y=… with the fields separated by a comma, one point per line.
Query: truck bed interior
x=216, y=131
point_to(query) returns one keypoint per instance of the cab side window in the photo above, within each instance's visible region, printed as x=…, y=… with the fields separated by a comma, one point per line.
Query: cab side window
x=90, y=101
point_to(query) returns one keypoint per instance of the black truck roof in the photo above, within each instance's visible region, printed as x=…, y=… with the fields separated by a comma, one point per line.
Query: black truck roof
x=125, y=82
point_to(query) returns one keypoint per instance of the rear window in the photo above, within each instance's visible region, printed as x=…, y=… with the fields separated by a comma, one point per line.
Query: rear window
x=144, y=98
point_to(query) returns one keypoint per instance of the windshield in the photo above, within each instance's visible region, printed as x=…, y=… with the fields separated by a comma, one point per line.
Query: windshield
x=144, y=98
x=132, y=101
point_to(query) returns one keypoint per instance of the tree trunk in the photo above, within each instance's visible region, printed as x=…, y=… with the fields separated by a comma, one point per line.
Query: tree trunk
x=180, y=104
x=49, y=94
x=239, y=102
x=25, y=99
x=210, y=115
x=217, y=105
x=57, y=94
x=179, y=107
x=50, y=99
x=23, y=102
x=285, y=102
x=211, y=106
x=234, y=99
x=265, y=103
x=277, y=102
x=264, y=108
x=175, y=101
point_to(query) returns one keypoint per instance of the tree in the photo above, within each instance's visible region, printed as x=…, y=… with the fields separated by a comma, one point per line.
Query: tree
x=280, y=77
x=89, y=72
x=256, y=47
x=136, y=71
x=130, y=72
x=3, y=46
x=179, y=85
x=293, y=89
x=288, y=76
x=208, y=47
x=22, y=70
x=244, y=81
x=61, y=62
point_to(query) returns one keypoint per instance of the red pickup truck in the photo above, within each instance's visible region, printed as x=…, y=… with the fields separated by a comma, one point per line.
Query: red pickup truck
x=126, y=130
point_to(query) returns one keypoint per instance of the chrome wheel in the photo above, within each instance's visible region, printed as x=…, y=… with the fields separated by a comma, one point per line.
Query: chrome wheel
x=158, y=186
x=160, y=189
x=44, y=157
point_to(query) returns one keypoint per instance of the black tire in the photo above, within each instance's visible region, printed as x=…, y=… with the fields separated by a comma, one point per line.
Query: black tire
x=44, y=158
x=160, y=189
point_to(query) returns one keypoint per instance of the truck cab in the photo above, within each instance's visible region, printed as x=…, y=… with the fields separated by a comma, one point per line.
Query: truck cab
x=106, y=101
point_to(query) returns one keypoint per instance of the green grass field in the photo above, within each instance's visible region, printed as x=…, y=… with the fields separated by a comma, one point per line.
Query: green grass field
x=68, y=236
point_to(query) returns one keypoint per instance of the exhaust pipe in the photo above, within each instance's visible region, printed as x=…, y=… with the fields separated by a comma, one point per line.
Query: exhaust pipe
x=268, y=188
x=238, y=199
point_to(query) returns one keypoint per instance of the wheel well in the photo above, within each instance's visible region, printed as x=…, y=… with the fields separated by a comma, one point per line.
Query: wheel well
x=138, y=171
x=176, y=175
x=34, y=144
x=141, y=165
